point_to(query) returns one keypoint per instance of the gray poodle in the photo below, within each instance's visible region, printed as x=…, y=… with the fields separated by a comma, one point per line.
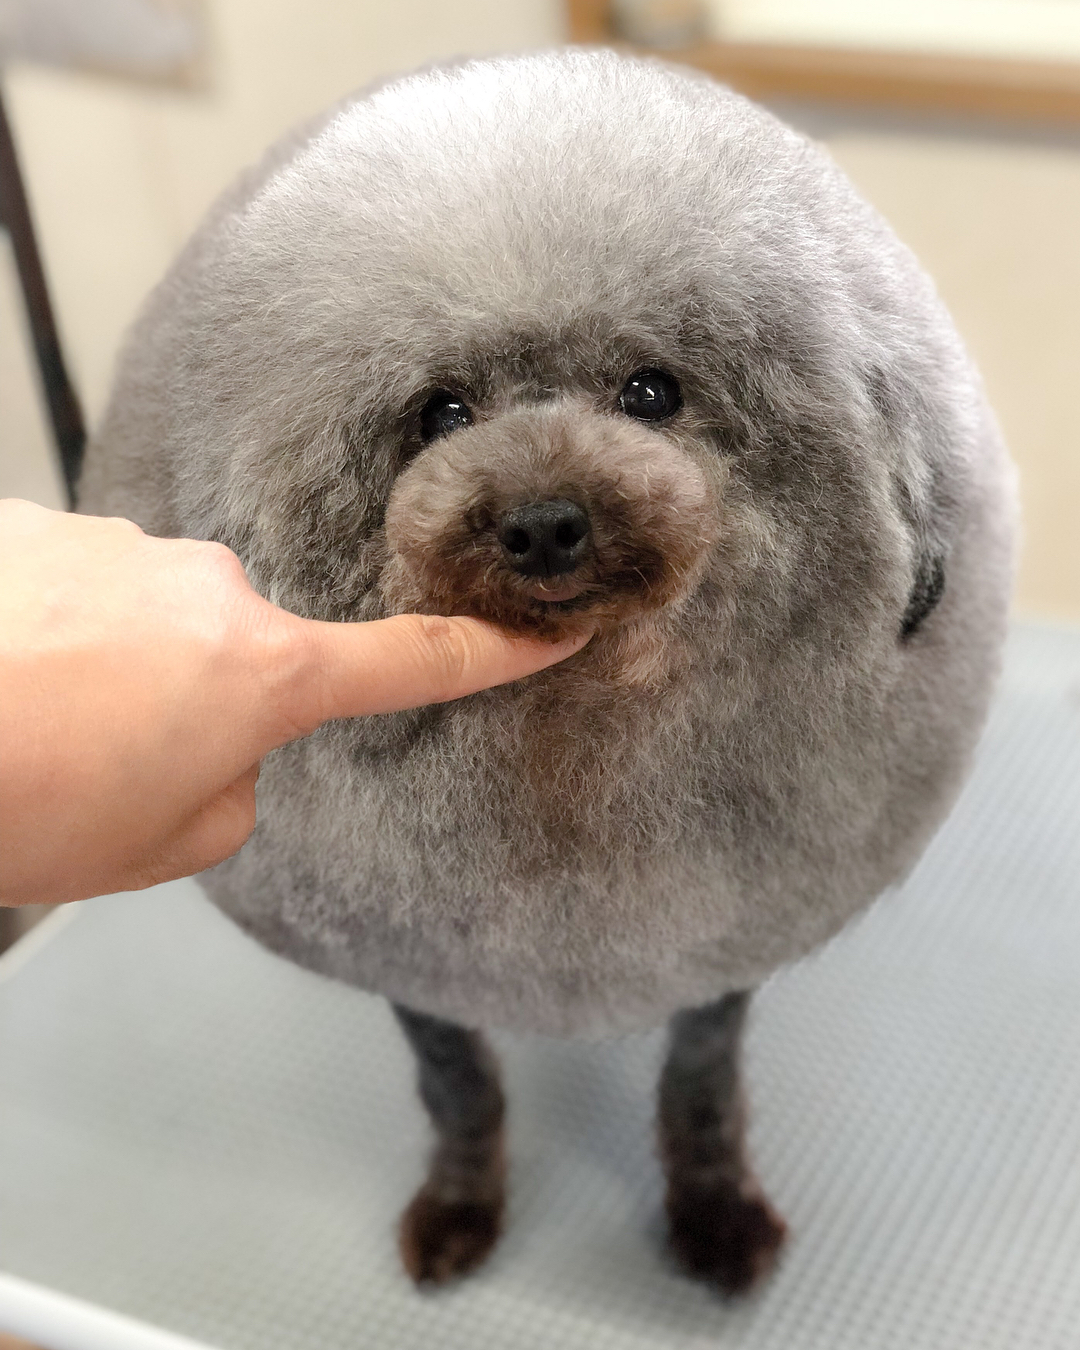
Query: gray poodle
x=562, y=340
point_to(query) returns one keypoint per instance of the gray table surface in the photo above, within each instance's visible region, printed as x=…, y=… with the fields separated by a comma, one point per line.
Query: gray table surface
x=199, y=1135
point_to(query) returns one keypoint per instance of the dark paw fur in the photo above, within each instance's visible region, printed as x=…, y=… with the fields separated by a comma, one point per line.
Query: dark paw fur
x=440, y=1241
x=723, y=1236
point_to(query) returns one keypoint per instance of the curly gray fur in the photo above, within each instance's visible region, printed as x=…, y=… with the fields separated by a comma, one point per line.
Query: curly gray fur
x=781, y=701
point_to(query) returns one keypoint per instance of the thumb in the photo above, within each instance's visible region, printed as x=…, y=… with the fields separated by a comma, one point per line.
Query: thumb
x=407, y=661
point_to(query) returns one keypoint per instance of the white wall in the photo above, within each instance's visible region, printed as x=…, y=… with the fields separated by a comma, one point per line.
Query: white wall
x=120, y=174
x=1013, y=29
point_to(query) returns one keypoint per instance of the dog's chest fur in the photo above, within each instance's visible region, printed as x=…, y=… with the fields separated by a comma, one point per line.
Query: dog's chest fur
x=525, y=861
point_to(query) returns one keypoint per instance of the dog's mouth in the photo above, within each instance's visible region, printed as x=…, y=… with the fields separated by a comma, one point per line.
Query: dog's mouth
x=557, y=605
x=557, y=590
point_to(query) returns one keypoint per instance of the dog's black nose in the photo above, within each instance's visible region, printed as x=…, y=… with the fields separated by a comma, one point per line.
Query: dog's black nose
x=544, y=539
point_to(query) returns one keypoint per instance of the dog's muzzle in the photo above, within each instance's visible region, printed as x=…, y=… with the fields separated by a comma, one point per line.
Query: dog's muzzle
x=546, y=520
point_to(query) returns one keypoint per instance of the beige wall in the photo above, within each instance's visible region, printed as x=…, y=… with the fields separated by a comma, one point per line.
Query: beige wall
x=119, y=175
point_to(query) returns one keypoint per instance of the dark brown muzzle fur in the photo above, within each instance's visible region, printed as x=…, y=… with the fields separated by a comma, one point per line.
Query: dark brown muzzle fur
x=650, y=514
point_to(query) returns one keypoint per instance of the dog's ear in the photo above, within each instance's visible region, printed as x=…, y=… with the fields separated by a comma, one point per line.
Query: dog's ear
x=926, y=592
x=925, y=503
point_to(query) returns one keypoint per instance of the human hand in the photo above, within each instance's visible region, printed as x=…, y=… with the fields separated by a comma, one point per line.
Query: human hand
x=142, y=680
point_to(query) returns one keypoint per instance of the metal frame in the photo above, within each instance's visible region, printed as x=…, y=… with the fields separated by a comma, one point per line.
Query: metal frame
x=65, y=414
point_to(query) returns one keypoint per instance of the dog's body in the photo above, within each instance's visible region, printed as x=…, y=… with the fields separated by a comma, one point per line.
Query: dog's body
x=619, y=291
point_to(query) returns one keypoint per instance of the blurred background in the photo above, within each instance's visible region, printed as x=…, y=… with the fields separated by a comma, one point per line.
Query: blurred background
x=119, y=171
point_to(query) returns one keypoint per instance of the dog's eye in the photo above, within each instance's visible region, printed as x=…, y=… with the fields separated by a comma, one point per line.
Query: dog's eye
x=650, y=396
x=442, y=414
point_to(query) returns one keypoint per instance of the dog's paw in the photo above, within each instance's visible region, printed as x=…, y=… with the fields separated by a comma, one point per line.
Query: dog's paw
x=723, y=1235
x=441, y=1240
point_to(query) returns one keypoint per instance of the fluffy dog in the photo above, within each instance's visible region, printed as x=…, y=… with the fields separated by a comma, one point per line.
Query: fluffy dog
x=575, y=339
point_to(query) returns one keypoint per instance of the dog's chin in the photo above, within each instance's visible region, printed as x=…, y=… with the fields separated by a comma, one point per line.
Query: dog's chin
x=632, y=645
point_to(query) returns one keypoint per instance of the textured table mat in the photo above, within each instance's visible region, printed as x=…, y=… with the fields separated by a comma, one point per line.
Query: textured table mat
x=197, y=1134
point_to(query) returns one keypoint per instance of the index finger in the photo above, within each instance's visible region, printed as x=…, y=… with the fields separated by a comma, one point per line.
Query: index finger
x=407, y=661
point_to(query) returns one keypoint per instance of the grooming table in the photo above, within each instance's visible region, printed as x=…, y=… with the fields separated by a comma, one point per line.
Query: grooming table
x=199, y=1138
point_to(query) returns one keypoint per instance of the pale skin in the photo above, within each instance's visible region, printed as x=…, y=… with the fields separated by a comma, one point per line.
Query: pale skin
x=143, y=680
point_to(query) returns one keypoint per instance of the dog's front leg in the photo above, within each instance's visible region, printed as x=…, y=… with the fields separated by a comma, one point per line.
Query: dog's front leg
x=455, y=1218
x=722, y=1228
